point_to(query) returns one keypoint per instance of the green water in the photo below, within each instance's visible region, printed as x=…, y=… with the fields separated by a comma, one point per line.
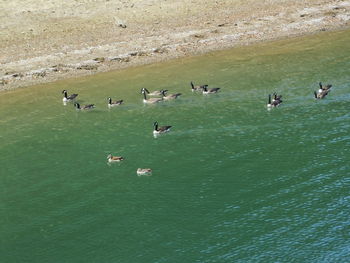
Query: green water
x=232, y=181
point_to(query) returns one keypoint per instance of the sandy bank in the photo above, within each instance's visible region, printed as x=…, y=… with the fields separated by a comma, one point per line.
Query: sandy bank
x=42, y=41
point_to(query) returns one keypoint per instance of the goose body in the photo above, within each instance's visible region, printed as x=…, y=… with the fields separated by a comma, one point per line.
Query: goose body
x=113, y=159
x=67, y=98
x=157, y=92
x=159, y=130
x=197, y=88
x=321, y=95
x=210, y=91
x=144, y=171
x=170, y=96
x=322, y=91
x=114, y=103
x=150, y=100
x=84, y=107
x=275, y=102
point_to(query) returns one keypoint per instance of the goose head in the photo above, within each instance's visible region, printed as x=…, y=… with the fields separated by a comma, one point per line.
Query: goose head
x=192, y=85
x=155, y=125
x=144, y=91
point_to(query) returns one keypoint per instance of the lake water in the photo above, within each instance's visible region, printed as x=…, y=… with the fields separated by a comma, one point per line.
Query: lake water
x=231, y=182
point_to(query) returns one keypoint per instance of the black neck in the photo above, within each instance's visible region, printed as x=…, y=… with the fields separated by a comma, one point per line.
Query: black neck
x=269, y=99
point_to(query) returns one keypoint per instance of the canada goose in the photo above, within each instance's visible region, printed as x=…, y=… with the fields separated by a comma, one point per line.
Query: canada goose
x=151, y=100
x=84, y=107
x=113, y=159
x=68, y=98
x=170, y=96
x=159, y=130
x=197, y=88
x=273, y=103
x=327, y=87
x=322, y=91
x=210, y=91
x=114, y=103
x=157, y=92
x=277, y=98
x=144, y=171
x=322, y=94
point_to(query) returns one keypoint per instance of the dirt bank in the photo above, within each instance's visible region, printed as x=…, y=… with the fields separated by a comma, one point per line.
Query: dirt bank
x=42, y=41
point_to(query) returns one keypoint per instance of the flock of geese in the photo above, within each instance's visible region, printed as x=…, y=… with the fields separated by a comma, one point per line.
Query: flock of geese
x=274, y=100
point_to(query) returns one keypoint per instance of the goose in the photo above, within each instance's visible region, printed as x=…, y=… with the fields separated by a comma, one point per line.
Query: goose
x=158, y=130
x=197, y=88
x=277, y=98
x=322, y=94
x=273, y=103
x=84, y=107
x=113, y=159
x=170, y=96
x=144, y=171
x=327, y=87
x=114, y=103
x=151, y=100
x=68, y=98
x=322, y=91
x=157, y=92
x=210, y=91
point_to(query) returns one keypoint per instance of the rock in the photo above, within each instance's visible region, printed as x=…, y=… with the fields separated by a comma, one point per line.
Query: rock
x=119, y=59
x=100, y=60
x=88, y=67
x=160, y=50
x=40, y=74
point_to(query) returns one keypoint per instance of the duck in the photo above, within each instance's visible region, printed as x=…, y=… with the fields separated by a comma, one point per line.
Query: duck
x=84, y=107
x=275, y=102
x=113, y=159
x=67, y=98
x=197, y=88
x=322, y=91
x=159, y=130
x=170, y=96
x=150, y=100
x=157, y=92
x=210, y=91
x=144, y=171
x=114, y=103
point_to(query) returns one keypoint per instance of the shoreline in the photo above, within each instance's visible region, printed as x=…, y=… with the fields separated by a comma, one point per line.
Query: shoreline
x=153, y=32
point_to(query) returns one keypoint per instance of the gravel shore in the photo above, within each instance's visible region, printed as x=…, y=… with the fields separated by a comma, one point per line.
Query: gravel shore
x=42, y=41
